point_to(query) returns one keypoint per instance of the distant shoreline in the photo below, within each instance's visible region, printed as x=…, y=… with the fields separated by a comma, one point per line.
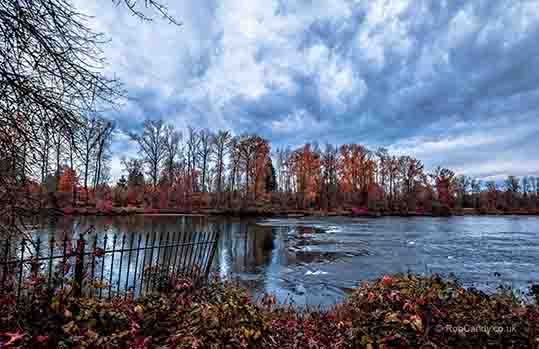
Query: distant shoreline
x=268, y=212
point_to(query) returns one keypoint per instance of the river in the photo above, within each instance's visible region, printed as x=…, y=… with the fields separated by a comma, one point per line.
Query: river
x=316, y=261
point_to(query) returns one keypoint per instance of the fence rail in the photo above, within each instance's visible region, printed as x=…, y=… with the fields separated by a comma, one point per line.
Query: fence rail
x=105, y=266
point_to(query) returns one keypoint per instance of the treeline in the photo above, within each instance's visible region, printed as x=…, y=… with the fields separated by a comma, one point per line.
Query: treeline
x=201, y=169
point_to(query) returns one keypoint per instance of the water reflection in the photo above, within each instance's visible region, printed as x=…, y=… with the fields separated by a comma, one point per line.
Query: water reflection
x=315, y=261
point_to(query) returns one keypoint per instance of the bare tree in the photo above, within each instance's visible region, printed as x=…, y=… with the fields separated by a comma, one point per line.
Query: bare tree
x=410, y=171
x=206, y=145
x=234, y=165
x=172, y=149
x=106, y=130
x=134, y=169
x=135, y=9
x=329, y=173
x=193, y=151
x=88, y=137
x=220, y=141
x=526, y=185
x=512, y=184
x=152, y=144
x=383, y=157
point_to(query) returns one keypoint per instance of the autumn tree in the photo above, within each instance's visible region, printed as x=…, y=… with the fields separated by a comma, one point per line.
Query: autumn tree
x=253, y=153
x=68, y=180
x=356, y=171
x=261, y=162
x=306, y=169
x=444, y=182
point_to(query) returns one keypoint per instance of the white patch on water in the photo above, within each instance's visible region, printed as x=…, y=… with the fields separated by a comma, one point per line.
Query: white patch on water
x=317, y=272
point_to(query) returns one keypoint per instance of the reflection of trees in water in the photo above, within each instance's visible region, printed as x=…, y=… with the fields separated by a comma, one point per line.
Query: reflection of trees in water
x=245, y=247
x=137, y=224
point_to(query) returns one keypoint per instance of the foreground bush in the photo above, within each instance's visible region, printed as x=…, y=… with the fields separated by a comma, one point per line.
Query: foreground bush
x=394, y=312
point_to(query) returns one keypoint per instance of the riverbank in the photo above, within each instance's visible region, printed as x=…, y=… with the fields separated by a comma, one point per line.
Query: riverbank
x=392, y=312
x=275, y=212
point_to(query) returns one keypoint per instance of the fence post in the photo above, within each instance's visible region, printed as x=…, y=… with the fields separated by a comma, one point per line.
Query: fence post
x=79, y=268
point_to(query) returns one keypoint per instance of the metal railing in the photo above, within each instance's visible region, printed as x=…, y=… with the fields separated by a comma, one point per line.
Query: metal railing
x=104, y=266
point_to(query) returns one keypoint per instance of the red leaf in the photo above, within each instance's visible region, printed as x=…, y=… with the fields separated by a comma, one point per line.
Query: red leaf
x=13, y=337
x=42, y=339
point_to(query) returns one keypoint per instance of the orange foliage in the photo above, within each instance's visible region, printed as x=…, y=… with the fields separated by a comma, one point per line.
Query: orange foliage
x=356, y=169
x=68, y=180
x=306, y=168
x=444, y=180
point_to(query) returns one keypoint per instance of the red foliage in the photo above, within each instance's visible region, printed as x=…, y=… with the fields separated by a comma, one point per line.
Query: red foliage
x=13, y=337
x=68, y=210
x=387, y=281
x=68, y=180
x=360, y=211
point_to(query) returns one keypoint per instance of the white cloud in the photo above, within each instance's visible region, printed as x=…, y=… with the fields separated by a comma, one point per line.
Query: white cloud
x=443, y=80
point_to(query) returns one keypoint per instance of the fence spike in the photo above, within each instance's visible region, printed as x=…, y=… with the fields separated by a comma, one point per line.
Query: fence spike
x=129, y=262
x=166, y=252
x=64, y=262
x=136, y=265
x=114, y=239
x=144, y=262
x=103, y=266
x=121, y=262
x=52, y=242
x=149, y=282
x=79, y=266
x=92, y=270
x=212, y=254
x=158, y=255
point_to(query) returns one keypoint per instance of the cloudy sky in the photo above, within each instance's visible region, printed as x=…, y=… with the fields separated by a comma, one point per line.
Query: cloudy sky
x=454, y=83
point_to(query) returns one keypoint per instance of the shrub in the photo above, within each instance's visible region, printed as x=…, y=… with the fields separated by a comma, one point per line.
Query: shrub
x=393, y=312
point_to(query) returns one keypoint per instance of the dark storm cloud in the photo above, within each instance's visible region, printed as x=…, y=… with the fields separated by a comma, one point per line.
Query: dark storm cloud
x=452, y=82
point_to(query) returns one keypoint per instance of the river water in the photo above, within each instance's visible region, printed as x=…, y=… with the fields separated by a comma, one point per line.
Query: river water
x=316, y=261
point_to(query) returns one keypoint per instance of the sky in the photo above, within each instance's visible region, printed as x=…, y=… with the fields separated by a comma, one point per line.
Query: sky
x=454, y=83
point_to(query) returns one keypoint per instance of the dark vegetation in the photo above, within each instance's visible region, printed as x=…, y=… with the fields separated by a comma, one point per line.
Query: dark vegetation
x=393, y=312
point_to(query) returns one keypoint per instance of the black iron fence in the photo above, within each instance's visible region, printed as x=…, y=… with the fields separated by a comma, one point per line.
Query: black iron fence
x=105, y=266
